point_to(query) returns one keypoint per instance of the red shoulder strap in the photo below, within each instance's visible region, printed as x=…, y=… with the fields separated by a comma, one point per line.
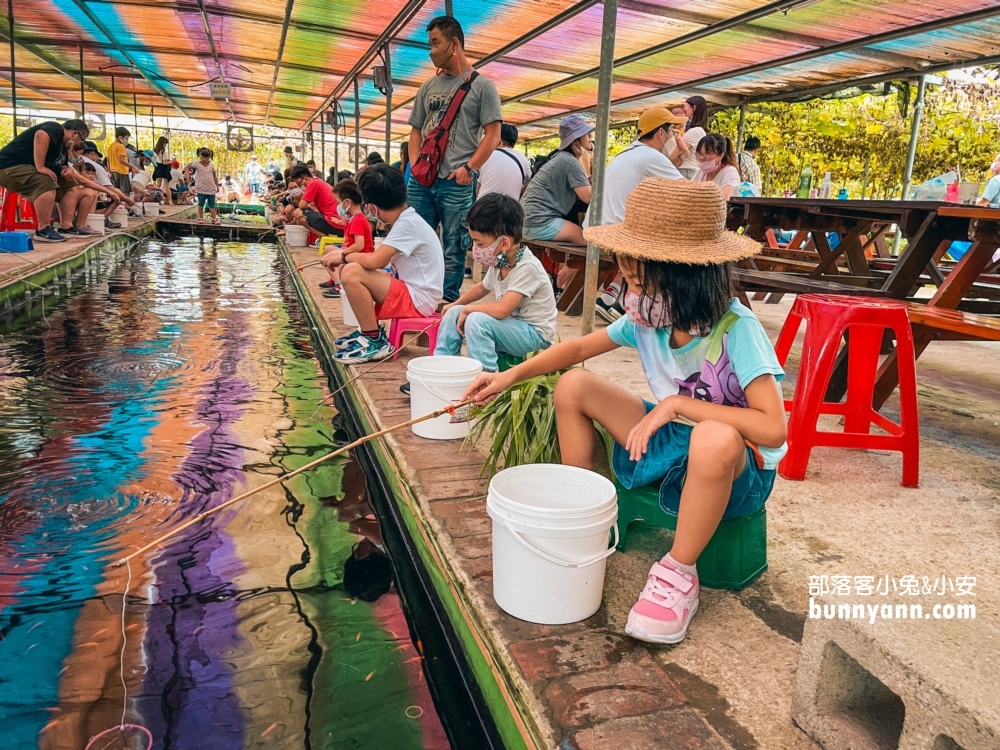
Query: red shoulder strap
x=456, y=101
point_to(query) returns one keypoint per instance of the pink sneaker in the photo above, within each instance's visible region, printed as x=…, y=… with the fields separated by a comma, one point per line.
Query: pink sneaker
x=666, y=605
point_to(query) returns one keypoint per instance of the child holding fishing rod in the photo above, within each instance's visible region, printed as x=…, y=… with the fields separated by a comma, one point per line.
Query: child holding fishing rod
x=717, y=432
x=357, y=234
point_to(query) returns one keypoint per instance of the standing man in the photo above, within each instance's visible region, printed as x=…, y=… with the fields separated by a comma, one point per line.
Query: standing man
x=253, y=174
x=474, y=135
x=290, y=160
x=36, y=165
x=640, y=159
x=749, y=168
x=506, y=171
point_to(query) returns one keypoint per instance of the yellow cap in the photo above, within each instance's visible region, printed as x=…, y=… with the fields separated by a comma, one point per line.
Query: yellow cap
x=657, y=117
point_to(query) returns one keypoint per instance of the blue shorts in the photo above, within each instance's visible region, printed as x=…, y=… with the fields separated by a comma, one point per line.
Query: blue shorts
x=666, y=460
x=206, y=201
x=546, y=231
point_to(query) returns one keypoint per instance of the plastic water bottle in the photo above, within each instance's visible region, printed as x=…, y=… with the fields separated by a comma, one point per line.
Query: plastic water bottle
x=842, y=194
x=805, y=181
x=825, y=187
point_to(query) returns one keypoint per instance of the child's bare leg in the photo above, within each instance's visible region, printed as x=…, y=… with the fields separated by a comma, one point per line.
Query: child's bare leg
x=582, y=397
x=363, y=288
x=717, y=457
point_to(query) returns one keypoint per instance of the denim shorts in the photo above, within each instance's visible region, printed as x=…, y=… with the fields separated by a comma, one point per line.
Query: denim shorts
x=206, y=200
x=546, y=231
x=666, y=461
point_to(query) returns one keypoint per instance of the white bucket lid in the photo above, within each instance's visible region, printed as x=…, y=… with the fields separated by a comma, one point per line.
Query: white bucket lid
x=445, y=366
x=95, y=217
x=547, y=524
x=552, y=490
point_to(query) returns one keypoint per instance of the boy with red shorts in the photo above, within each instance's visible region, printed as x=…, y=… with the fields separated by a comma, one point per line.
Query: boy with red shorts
x=412, y=287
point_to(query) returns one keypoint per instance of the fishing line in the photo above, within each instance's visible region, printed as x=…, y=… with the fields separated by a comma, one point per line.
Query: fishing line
x=365, y=372
x=285, y=276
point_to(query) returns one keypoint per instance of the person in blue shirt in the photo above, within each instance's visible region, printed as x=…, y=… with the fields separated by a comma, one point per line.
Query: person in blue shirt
x=716, y=434
x=991, y=193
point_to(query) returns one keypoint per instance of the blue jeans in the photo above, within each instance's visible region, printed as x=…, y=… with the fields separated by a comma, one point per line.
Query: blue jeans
x=446, y=203
x=486, y=337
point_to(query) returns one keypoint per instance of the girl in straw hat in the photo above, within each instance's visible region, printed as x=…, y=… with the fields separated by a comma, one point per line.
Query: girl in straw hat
x=717, y=432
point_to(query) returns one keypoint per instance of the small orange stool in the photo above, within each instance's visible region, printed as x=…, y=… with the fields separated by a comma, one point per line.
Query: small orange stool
x=17, y=213
x=400, y=326
x=864, y=320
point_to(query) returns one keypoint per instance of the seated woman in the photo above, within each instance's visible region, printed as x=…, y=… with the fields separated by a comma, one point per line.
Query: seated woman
x=717, y=432
x=717, y=163
x=229, y=190
x=521, y=316
x=553, y=191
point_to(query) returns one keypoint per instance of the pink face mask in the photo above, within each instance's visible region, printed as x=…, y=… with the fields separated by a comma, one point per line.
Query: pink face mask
x=485, y=256
x=707, y=165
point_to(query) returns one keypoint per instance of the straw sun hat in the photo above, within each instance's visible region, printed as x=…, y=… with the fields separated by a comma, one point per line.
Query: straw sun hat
x=676, y=221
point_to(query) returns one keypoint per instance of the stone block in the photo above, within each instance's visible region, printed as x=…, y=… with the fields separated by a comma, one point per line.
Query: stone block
x=918, y=684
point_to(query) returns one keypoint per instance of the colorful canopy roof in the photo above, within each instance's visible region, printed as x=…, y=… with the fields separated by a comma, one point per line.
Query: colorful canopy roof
x=284, y=60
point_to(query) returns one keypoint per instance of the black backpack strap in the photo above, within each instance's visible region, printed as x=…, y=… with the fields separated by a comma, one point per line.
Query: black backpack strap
x=517, y=162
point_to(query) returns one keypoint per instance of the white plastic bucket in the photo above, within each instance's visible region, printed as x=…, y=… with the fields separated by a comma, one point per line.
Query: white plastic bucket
x=141, y=179
x=296, y=236
x=436, y=382
x=120, y=216
x=350, y=319
x=551, y=527
x=151, y=209
x=95, y=222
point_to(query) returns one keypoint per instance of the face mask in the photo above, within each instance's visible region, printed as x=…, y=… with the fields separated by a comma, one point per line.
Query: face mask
x=379, y=224
x=707, y=165
x=657, y=313
x=485, y=256
x=342, y=212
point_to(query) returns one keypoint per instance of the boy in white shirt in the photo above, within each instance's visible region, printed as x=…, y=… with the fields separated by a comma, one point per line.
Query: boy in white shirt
x=521, y=316
x=413, y=250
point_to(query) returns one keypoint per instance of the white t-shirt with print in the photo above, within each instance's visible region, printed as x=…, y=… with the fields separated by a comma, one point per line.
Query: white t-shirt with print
x=538, y=306
x=692, y=138
x=728, y=175
x=419, y=259
x=637, y=162
x=715, y=368
x=101, y=174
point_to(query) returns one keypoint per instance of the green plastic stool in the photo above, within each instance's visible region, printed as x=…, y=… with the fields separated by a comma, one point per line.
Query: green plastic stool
x=736, y=554
x=506, y=361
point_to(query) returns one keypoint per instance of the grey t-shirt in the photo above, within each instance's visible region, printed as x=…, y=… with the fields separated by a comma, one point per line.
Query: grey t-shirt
x=538, y=306
x=550, y=194
x=480, y=107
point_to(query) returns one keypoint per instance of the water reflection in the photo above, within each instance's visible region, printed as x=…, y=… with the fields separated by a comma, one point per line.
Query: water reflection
x=153, y=395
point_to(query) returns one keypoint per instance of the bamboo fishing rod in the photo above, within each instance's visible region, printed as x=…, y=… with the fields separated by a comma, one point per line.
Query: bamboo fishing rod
x=284, y=276
x=451, y=409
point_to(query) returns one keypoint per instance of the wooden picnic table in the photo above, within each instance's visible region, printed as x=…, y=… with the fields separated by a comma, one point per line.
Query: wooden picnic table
x=929, y=226
x=573, y=256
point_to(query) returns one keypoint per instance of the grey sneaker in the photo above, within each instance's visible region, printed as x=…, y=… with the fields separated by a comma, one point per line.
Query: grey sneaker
x=345, y=340
x=49, y=235
x=111, y=224
x=610, y=313
x=366, y=351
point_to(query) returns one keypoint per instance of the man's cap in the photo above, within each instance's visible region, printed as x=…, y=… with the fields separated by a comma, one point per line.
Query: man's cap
x=657, y=117
x=89, y=146
x=288, y=149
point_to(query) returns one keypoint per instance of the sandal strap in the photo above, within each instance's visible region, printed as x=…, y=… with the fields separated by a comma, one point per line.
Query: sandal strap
x=675, y=578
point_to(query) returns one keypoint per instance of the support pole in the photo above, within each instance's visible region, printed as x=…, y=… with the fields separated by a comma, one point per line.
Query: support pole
x=13, y=70
x=114, y=102
x=357, y=128
x=322, y=146
x=742, y=129
x=604, y=79
x=83, y=102
x=336, y=138
x=135, y=110
x=388, y=105
x=152, y=125
x=448, y=9
x=911, y=152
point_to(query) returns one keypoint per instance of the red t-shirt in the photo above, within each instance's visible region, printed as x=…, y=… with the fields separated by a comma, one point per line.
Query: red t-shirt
x=358, y=226
x=320, y=194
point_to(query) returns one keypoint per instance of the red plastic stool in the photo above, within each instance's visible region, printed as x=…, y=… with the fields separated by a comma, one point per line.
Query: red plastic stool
x=400, y=326
x=828, y=319
x=17, y=213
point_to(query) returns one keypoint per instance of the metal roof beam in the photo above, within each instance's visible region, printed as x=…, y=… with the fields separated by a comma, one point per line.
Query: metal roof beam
x=281, y=51
x=809, y=55
x=48, y=96
x=82, y=5
x=500, y=54
x=215, y=54
x=52, y=63
x=397, y=24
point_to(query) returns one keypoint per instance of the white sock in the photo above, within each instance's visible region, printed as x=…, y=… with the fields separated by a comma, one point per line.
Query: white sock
x=692, y=569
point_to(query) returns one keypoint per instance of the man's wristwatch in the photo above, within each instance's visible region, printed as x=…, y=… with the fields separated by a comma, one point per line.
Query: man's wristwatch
x=473, y=173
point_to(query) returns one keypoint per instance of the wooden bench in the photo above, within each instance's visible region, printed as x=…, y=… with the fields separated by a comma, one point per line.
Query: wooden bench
x=752, y=280
x=573, y=256
x=953, y=325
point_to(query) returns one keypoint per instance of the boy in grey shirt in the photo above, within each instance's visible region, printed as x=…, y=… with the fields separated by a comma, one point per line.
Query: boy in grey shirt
x=474, y=135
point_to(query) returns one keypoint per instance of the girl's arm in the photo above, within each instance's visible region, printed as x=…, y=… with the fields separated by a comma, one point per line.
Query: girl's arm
x=762, y=422
x=355, y=247
x=485, y=387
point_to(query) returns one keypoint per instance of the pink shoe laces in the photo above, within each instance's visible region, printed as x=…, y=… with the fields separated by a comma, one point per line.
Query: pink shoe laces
x=665, y=589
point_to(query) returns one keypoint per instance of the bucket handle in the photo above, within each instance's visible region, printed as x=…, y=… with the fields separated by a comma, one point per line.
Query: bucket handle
x=432, y=391
x=559, y=561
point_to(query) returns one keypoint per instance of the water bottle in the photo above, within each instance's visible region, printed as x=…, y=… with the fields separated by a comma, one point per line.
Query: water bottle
x=825, y=187
x=842, y=195
x=805, y=181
